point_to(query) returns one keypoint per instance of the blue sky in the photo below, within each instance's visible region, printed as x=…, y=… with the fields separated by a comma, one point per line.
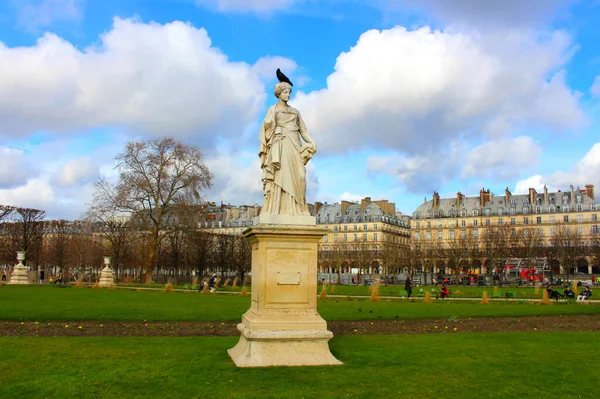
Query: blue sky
x=403, y=97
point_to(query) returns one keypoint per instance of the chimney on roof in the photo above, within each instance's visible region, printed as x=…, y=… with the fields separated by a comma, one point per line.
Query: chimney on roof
x=545, y=194
x=532, y=194
x=507, y=195
x=436, y=200
x=318, y=206
x=484, y=197
x=363, y=203
x=459, y=198
x=589, y=191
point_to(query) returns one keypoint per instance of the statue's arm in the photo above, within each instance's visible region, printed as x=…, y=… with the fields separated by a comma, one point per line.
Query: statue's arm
x=304, y=132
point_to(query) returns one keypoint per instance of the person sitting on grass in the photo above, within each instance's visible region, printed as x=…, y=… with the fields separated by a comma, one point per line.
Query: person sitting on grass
x=444, y=291
x=552, y=294
x=585, y=294
x=568, y=293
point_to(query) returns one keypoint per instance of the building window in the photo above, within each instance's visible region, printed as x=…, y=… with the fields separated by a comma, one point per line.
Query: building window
x=579, y=208
x=538, y=209
x=356, y=227
x=345, y=237
x=594, y=207
x=428, y=225
x=345, y=227
x=513, y=221
x=326, y=239
x=552, y=220
x=463, y=213
x=428, y=235
x=552, y=209
x=525, y=220
x=579, y=218
x=500, y=211
x=439, y=235
x=365, y=237
x=525, y=209
x=418, y=225
x=580, y=230
x=374, y=227
x=566, y=218
x=553, y=231
x=500, y=222
x=335, y=228
x=374, y=236
x=476, y=233
x=452, y=234
x=439, y=223
x=512, y=211
x=486, y=211
x=355, y=237
x=463, y=223
x=365, y=227
x=475, y=212
x=538, y=220
x=487, y=222
x=595, y=229
x=475, y=223
x=335, y=238
x=594, y=217
x=463, y=234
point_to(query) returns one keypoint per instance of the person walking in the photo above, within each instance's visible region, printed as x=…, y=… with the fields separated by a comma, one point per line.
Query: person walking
x=408, y=287
x=42, y=276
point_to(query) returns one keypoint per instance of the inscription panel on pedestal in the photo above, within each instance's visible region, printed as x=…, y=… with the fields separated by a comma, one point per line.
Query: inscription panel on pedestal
x=287, y=277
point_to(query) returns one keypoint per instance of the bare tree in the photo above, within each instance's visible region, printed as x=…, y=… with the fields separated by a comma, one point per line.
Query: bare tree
x=242, y=256
x=25, y=233
x=154, y=177
x=566, y=247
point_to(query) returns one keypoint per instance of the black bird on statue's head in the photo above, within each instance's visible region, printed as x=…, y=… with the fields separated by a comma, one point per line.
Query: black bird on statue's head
x=282, y=77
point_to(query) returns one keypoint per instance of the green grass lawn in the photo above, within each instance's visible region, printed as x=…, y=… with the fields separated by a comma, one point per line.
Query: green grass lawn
x=39, y=303
x=398, y=291
x=493, y=365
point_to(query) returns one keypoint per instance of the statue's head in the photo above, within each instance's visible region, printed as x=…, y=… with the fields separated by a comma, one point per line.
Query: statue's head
x=280, y=87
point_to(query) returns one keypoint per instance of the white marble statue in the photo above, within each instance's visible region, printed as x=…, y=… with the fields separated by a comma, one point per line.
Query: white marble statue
x=283, y=156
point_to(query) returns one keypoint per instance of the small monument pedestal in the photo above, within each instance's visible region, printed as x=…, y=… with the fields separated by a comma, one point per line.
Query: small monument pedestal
x=19, y=274
x=106, y=275
x=282, y=326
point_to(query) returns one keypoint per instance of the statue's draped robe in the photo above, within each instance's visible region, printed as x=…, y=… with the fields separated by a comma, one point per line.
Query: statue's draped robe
x=283, y=170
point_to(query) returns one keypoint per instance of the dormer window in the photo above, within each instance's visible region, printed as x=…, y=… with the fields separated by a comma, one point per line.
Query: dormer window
x=486, y=211
x=475, y=212
x=500, y=211
x=463, y=213
x=552, y=209
x=525, y=209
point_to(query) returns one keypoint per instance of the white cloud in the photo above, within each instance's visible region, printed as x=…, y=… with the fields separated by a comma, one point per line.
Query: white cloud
x=595, y=89
x=34, y=193
x=240, y=6
x=150, y=78
x=265, y=67
x=36, y=14
x=586, y=171
x=483, y=14
x=536, y=182
x=422, y=172
x=502, y=159
x=419, y=90
x=77, y=172
x=14, y=169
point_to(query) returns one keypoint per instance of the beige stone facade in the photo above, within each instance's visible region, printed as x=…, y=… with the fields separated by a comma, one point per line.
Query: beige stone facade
x=547, y=219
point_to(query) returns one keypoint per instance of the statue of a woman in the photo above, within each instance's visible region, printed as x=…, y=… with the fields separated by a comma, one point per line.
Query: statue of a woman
x=283, y=157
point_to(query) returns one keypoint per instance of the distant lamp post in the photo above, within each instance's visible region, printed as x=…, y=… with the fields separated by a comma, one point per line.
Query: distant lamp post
x=106, y=275
x=19, y=274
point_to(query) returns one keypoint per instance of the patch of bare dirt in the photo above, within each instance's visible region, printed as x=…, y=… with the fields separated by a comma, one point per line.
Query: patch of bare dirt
x=340, y=327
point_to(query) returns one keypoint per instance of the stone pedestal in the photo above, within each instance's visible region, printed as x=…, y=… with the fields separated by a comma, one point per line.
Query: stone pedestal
x=106, y=274
x=19, y=274
x=282, y=326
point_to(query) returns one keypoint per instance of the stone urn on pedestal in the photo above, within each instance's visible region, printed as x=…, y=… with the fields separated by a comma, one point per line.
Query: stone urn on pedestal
x=106, y=275
x=19, y=274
